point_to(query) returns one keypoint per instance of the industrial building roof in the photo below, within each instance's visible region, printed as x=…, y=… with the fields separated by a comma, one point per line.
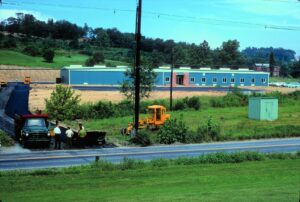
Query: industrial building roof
x=166, y=69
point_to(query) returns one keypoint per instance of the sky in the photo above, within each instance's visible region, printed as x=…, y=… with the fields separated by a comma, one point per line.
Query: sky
x=255, y=23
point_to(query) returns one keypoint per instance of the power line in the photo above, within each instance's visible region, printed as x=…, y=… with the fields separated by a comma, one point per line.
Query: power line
x=174, y=17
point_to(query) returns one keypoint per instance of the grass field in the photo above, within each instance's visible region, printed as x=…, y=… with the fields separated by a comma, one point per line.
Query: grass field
x=283, y=79
x=270, y=180
x=61, y=59
x=234, y=122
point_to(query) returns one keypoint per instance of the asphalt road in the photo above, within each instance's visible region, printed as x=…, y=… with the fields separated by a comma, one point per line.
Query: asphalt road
x=65, y=158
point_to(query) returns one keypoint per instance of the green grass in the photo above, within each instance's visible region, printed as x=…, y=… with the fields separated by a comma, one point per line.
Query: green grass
x=270, y=180
x=61, y=59
x=234, y=122
x=283, y=79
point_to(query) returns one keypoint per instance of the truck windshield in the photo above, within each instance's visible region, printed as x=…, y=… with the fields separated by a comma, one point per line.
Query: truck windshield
x=35, y=122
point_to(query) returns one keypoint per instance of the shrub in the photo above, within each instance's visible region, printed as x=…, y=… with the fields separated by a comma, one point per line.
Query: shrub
x=142, y=138
x=48, y=55
x=179, y=105
x=193, y=102
x=172, y=131
x=210, y=131
x=9, y=42
x=110, y=64
x=31, y=50
x=5, y=140
x=98, y=57
x=86, y=52
x=63, y=103
x=90, y=62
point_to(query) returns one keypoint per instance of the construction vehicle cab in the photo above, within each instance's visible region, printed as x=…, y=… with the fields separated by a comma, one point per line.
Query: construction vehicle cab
x=157, y=116
x=32, y=129
x=27, y=80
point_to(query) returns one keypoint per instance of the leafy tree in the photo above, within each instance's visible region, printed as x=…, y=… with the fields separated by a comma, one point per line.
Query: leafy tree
x=229, y=53
x=157, y=58
x=90, y=62
x=179, y=55
x=272, y=63
x=9, y=42
x=102, y=38
x=63, y=103
x=147, y=76
x=48, y=55
x=98, y=57
x=31, y=50
x=172, y=131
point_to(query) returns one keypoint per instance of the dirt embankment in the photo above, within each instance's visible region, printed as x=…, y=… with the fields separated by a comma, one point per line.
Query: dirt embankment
x=16, y=73
x=39, y=92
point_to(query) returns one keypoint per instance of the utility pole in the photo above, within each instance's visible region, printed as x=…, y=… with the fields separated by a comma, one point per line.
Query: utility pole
x=137, y=65
x=171, y=84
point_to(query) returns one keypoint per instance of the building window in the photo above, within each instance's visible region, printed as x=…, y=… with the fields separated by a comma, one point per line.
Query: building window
x=203, y=80
x=192, y=79
x=167, y=79
x=214, y=80
x=232, y=80
x=263, y=80
x=242, y=80
x=224, y=80
x=253, y=80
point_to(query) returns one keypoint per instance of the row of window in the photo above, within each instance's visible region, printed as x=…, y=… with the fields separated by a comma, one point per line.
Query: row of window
x=224, y=80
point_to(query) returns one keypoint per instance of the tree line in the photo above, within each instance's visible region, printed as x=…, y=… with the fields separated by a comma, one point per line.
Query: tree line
x=156, y=52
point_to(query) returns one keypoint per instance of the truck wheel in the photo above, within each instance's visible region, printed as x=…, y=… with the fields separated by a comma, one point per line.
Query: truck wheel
x=24, y=144
x=123, y=131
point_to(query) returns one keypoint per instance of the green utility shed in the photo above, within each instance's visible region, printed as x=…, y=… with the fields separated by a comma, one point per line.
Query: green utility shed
x=263, y=108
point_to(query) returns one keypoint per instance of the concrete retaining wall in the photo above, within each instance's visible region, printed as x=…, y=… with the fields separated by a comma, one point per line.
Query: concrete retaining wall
x=36, y=75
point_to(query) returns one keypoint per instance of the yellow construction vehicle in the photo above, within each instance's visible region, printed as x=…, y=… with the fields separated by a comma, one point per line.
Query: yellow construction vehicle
x=156, y=117
x=27, y=80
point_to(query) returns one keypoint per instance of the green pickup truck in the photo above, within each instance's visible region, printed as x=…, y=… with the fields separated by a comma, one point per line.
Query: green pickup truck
x=32, y=129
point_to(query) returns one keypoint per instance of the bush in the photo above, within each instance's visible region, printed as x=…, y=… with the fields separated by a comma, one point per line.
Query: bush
x=63, y=103
x=180, y=105
x=194, y=102
x=90, y=62
x=110, y=64
x=5, y=140
x=31, y=50
x=9, y=42
x=48, y=55
x=98, y=57
x=142, y=138
x=210, y=131
x=86, y=52
x=172, y=131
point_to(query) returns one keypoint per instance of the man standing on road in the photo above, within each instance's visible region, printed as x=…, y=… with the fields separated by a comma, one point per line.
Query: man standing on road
x=57, y=134
x=82, y=134
x=69, y=134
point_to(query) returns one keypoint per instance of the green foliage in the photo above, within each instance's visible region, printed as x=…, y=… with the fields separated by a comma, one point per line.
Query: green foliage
x=234, y=99
x=172, y=131
x=142, y=138
x=48, y=55
x=9, y=42
x=209, y=131
x=31, y=50
x=188, y=103
x=90, y=62
x=62, y=104
x=98, y=57
x=147, y=78
x=5, y=140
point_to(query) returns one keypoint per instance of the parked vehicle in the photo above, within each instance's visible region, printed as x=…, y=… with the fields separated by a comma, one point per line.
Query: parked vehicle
x=32, y=129
x=157, y=117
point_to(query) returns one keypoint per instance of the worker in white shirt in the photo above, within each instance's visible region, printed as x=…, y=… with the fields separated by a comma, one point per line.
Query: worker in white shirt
x=69, y=134
x=57, y=134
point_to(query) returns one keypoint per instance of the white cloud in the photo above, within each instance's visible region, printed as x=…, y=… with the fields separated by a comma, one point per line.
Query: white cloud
x=6, y=13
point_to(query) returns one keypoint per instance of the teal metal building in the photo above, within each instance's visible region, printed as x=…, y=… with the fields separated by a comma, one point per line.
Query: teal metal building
x=263, y=108
x=183, y=76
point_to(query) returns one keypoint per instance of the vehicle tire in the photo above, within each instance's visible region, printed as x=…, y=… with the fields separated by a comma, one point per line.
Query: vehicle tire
x=24, y=144
x=123, y=131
